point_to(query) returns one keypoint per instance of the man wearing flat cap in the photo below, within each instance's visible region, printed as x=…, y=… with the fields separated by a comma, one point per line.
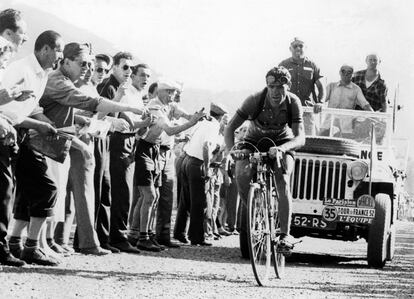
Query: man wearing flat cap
x=305, y=76
x=275, y=114
x=154, y=164
x=59, y=100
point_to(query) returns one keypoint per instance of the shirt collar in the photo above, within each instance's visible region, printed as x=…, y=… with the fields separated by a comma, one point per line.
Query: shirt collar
x=305, y=59
x=113, y=81
x=346, y=86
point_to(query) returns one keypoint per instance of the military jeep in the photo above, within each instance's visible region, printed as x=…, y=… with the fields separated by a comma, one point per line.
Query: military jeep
x=345, y=181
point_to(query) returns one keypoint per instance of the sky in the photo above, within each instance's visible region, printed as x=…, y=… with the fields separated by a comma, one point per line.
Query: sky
x=229, y=45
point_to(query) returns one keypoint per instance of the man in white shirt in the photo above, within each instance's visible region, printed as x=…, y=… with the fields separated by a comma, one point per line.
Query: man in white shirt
x=345, y=94
x=147, y=168
x=195, y=174
x=36, y=190
x=12, y=30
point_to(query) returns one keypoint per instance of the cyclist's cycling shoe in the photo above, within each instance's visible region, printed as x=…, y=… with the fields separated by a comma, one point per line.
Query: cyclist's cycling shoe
x=285, y=247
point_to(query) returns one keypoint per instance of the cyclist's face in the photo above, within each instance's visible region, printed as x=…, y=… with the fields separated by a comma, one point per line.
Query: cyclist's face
x=275, y=90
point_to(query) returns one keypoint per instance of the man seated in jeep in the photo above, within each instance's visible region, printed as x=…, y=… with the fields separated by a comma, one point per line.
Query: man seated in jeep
x=345, y=94
x=342, y=95
x=275, y=114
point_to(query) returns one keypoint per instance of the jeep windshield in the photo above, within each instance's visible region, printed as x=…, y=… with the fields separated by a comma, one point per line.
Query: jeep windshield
x=350, y=124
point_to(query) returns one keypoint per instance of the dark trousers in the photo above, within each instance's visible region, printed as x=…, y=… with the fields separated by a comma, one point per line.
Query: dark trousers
x=183, y=201
x=230, y=194
x=194, y=187
x=102, y=184
x=178, y=165
x=36, y=191
x=165, y=201
x=6, y=192
x=122, y=167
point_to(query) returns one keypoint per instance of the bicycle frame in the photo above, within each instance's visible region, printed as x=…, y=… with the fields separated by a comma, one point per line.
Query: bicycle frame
x=266, y=179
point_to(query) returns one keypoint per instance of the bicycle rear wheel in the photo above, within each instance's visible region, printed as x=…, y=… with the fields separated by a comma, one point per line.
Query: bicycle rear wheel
x=258, y=230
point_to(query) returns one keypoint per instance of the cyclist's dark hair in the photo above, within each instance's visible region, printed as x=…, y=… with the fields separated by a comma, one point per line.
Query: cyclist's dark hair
x=279, y=72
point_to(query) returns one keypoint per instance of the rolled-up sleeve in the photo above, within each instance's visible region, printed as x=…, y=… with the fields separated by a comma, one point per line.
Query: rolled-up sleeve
x=62, y=91
x=36, y=110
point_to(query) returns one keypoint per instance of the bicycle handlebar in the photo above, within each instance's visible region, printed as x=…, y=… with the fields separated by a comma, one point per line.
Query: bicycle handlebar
x=245, y=154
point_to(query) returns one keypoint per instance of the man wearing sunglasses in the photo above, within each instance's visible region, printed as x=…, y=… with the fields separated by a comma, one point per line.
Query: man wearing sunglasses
x=102, y=68
x=344, y=94
x=305, y=76
x=59, y=100
x=274, y=114
x=121, y=145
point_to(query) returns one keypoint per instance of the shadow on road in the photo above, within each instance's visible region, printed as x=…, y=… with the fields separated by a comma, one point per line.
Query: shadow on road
x=325, y=260
x=125, y=276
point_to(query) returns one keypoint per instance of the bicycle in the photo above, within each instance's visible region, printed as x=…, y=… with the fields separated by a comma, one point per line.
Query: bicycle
x=263, y=226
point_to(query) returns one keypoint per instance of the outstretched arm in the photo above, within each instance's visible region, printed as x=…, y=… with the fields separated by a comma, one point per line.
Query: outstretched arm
x=233, y=124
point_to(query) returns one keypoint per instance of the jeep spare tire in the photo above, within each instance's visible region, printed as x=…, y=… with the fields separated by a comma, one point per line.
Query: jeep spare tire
x=331, y=146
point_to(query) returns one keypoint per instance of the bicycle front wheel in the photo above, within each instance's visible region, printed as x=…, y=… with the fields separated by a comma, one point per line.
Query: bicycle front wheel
x=258, y=229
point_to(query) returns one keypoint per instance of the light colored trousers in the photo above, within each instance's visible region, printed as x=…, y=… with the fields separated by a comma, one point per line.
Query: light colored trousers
x=81, y=175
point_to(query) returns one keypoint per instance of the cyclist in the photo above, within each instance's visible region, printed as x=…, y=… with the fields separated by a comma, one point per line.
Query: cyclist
x=274, y=113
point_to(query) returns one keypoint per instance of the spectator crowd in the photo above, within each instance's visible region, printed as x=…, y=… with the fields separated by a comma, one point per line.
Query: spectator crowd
x=85, y=139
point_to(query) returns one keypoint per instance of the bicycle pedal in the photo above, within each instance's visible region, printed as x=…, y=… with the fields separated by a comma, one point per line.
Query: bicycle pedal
x=300, y=241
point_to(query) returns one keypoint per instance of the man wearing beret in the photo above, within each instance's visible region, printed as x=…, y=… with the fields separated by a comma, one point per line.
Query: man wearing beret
x=305, y=75
x=274, y=113
x=59, y=100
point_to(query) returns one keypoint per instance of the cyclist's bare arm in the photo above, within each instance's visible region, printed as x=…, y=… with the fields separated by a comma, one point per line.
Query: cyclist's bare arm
x=232, y=125
x=297, y=141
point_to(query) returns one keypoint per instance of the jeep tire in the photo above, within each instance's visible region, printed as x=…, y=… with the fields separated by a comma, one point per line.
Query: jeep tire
x=378, y=234
x=391, y=243
x=331, y=146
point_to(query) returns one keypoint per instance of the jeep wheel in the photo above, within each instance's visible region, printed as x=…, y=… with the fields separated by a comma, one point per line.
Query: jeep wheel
x=331, y=146
x=379, y=232
x=391, y=243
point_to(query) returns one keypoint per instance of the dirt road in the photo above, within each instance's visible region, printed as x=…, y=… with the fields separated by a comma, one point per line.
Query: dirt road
x=318, y=269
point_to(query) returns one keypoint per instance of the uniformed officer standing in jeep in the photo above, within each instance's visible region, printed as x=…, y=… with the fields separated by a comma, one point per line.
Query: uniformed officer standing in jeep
x=274, y=113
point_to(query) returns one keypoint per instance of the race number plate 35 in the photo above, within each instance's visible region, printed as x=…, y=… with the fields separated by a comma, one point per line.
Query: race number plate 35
x=301, y=220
